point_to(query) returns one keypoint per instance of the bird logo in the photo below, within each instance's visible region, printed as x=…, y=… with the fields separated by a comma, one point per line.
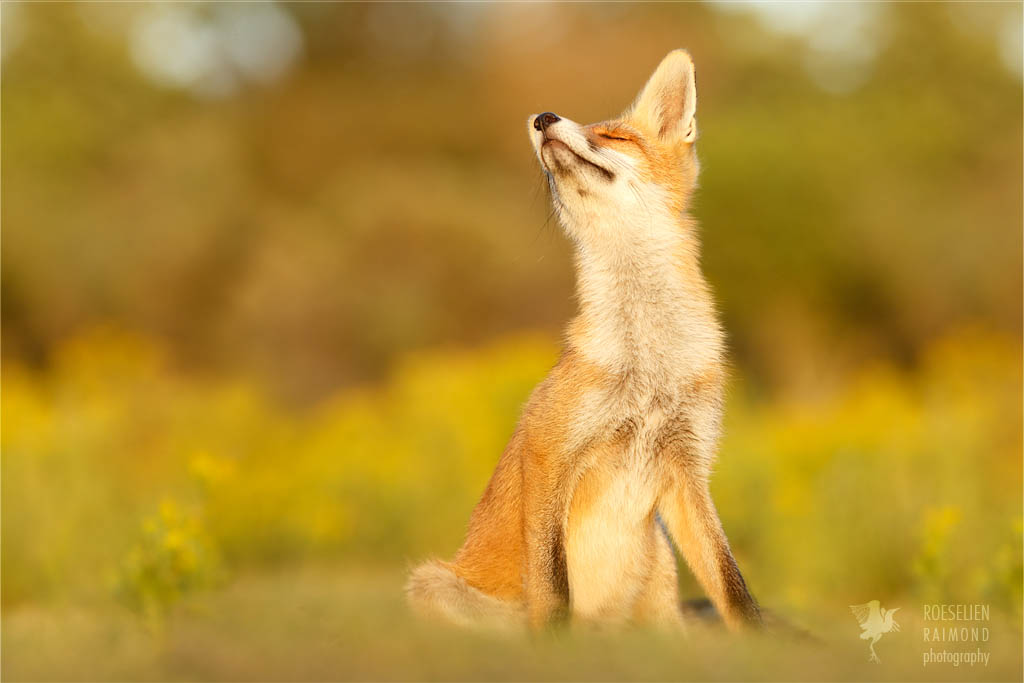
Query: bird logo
x=875, y=621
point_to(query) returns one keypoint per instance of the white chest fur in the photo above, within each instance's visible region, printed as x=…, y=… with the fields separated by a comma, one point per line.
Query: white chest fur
x=646, y=318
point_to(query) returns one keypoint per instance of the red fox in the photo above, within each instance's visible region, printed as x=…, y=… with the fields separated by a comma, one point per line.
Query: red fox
x=610, y=460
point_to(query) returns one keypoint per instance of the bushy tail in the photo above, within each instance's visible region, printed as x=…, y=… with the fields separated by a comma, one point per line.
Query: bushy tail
x=433, y=589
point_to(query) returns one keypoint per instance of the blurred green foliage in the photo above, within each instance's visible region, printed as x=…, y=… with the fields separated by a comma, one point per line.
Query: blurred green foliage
x=382, y=196
x=905, y=484
x=172, y=558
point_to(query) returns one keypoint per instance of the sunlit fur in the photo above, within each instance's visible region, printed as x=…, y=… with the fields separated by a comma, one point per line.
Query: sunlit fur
x=612, y=454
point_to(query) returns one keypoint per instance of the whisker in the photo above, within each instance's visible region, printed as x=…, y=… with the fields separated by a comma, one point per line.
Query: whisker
x=545, y=182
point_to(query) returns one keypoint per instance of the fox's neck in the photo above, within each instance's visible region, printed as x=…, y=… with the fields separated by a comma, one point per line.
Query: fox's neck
x=645, y=308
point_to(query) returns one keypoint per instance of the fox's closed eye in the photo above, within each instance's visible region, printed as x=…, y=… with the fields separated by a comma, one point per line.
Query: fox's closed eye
x=611, y=136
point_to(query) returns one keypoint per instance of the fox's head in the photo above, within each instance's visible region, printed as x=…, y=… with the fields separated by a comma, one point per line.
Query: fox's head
x=628, y=177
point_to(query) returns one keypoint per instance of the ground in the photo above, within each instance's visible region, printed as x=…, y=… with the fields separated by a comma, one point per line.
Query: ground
x=338, y=623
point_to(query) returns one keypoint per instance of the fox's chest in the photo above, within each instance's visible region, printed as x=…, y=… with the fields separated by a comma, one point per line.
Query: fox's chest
x=637, y=419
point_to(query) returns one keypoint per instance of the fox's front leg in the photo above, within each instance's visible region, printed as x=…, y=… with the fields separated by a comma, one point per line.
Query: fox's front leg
x=545, y=581
x=692, y=520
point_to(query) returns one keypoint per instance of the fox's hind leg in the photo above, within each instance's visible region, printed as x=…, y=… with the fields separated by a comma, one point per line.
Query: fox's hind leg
x=545, y=579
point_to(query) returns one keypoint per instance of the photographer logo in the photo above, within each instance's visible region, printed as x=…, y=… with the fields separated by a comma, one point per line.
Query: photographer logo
x=875, y=621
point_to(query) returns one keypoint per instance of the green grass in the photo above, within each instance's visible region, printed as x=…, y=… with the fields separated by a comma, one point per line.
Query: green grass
x=338, y=623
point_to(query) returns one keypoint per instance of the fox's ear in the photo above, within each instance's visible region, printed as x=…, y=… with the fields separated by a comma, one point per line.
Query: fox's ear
x=668, y=103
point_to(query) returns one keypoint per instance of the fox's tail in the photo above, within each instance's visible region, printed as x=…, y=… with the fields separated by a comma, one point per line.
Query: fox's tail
x=433, y=589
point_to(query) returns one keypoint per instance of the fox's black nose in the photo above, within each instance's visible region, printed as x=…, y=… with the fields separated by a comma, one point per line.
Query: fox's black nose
x=544, y=120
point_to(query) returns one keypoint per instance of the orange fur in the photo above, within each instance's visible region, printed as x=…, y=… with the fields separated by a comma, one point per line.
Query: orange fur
x=613, y=450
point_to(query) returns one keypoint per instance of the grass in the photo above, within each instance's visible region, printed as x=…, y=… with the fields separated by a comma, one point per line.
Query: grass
x=343, y=623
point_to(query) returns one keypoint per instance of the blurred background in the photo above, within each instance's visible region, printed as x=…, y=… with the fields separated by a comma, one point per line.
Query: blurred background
x=277, y=278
